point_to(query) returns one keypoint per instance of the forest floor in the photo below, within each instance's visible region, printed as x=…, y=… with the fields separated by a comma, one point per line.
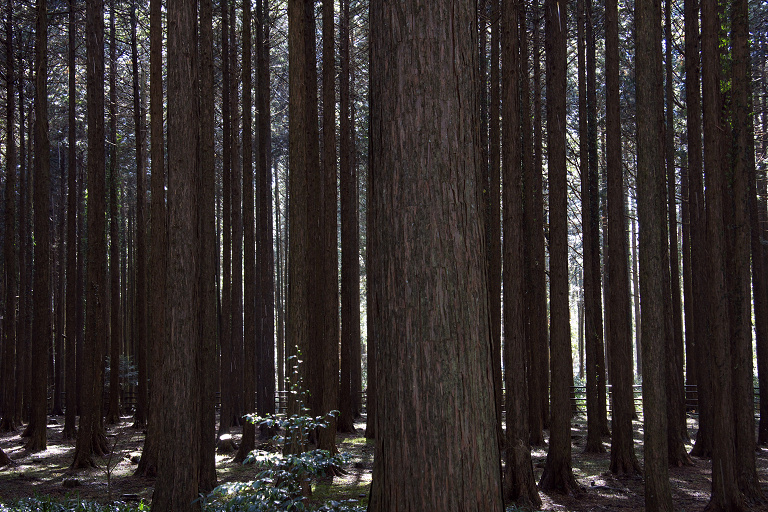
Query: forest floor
x=48, y=474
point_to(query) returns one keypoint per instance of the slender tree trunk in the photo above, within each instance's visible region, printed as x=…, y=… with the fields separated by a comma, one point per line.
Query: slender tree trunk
x=227, y=406
x=623, y=458
x=157, y=270
x=59, y=294
x=494, y=216
x=725, y=490
x=558, y=475
x=425, y=150
x=8, y=422
x=41, y=335
x=179, y=459
x=538, y=256
x=248, y=439
x=519, y=482
x=266, y=315
x=208, y=276
x=90, y=439
x=113, y=415
x=651, y=202
x=140, y=335
x=703, y=445
x=350, y=238
x=330, y=265
x=72, y=237
x=738, y=252
x=23, y=341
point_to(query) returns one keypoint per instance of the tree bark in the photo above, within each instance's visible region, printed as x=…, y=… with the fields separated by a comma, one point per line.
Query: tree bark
x=725, y=490
x=558, y=475
x=738, y=252
x=70, y=381
x=248, y=439
x=350, y=238
x=115, y=332
x=177, y=485
x=519, y=482
x=426, y=158
x=208, y=242
x=41, y=333
x=651, y=216
x=623, y=458
x=90, y=437
x=8, y=422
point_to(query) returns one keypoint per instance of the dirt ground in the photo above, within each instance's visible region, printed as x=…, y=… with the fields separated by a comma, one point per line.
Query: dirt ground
x=48, y=473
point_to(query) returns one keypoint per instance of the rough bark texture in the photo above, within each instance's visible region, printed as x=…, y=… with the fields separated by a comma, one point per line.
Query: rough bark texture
x=177, y=485
x=493, y=243
x=8, y=423
x=738, y=254
x=330, y=259
x=677, y=430
x=558, y=475
x=248, y=438
x=115, y=318
x=157, y=271
x=432, y=286
x=70, y=411
x=725, y=490
x=519, y=482
x=208, y=275
x=651, y=217
x=90, y=439
x=41, y=327
x=140, y=334
x=540, y=363
x=703, y=445
x=350, y=238
x=623, y=458
x=266, y=316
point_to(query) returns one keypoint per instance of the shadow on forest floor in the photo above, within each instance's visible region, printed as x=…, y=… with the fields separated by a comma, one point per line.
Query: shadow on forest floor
x=47, y=473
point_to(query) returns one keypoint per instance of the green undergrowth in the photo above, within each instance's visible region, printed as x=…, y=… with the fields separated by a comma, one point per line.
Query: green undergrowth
x=48, y=504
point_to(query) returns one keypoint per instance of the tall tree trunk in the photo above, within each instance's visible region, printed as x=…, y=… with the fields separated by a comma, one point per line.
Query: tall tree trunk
x=677, y=430
x=177, y=485
x=59, y=293
x=227, y=405
x=266, y=315
x=330, y=259
x=248, y=439
x=8, y=422
x=350, y=238
x=725, y=490
x=23, y=342
x=206, y=366
x=115, y=332
x=90, y=437
x=140, y=335
x=494, y=216
x=70, y=382
x=426, y=158
x=558, y=475
x=519, y=482
x=738, y=252
x=157, y=270
x=623, y=458
x=650, y=165
x=703, y=445
x=41, y=334
x=538, y=256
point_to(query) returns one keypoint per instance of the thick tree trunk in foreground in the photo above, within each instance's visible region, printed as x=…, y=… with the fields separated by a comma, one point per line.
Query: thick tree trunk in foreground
x=177, y=484
x=558, y=475
x=41, y=327
x=651, y=217
x=426, y=158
